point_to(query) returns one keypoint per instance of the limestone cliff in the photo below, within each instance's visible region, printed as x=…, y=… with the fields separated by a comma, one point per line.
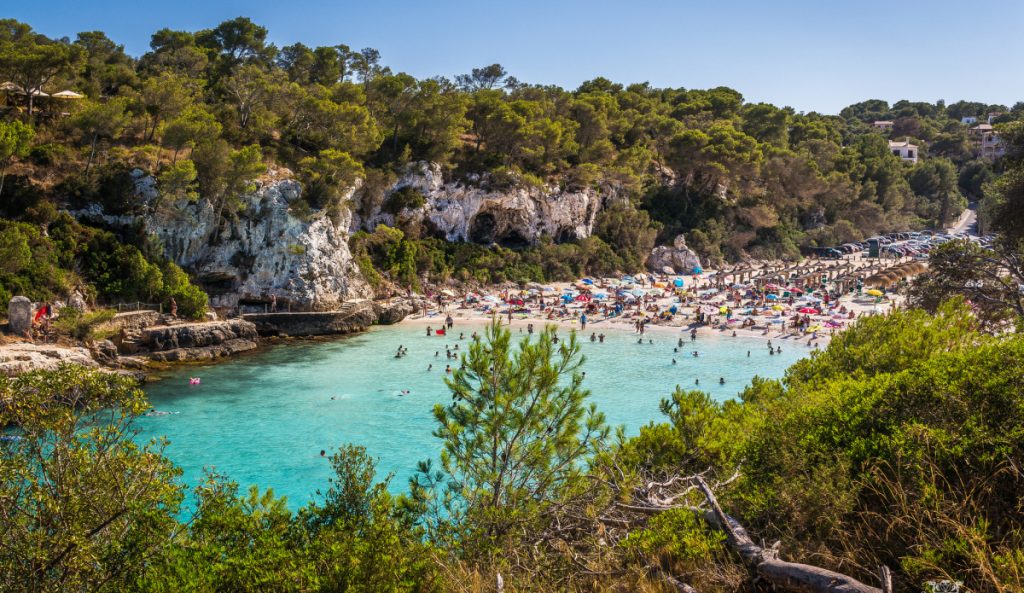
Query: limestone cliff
x=262, y=252
x=480, y=213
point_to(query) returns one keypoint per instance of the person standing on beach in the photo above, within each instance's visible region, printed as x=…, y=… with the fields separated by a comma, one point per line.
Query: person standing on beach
x=449, y=321
x=583, y=321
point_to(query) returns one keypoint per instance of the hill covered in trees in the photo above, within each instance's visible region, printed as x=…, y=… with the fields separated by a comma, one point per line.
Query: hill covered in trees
x=207, y=112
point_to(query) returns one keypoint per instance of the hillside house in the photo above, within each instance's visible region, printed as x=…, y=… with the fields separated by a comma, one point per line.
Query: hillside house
x=905, y=150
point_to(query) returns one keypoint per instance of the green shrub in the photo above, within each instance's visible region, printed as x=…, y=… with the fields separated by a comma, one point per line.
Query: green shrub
x=84, y=326
x=402, y=198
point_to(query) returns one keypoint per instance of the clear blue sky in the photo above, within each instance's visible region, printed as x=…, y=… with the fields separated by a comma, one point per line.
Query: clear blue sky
x=812, y=55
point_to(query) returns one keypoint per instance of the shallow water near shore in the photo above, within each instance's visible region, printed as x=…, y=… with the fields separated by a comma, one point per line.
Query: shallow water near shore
x=264, y=418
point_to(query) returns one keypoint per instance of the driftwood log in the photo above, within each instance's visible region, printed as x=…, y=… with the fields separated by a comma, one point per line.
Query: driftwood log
x=792, y=576
x=765, y=562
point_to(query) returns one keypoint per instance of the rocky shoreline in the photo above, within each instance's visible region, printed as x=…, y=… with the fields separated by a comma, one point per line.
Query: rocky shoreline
x=143, y=339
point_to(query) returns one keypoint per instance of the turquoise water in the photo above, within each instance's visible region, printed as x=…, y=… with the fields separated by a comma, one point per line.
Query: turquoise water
x=263, y=418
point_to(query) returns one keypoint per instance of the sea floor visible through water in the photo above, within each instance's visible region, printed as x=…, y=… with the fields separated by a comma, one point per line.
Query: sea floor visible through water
x=264, y=418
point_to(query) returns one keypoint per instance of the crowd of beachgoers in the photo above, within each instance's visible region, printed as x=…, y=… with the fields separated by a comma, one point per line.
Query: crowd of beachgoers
x=806, y=302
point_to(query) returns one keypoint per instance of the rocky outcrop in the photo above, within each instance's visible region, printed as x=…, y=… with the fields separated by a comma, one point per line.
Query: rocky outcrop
x=196, y=335
x=479, y=213
x=674, y=259
x=24, y=357
x=353, y=316
x=262, y=249
x=228, y=348
x=393, y=311
x=266, y=251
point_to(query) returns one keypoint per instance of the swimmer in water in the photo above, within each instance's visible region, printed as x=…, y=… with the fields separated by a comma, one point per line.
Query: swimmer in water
x=748, y=353
x=721, y=380
x=323, y=453
x=448, y=368
x=405, y=392
x=696, y=381
x=430, y=367
x=673, y=361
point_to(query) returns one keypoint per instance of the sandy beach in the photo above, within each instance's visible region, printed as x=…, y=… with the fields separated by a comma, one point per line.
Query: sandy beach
x=665, y=308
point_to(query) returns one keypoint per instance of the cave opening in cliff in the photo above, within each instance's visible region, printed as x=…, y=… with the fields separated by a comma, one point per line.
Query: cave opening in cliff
x=481, y=229
x=513, y=240
x=565, y=235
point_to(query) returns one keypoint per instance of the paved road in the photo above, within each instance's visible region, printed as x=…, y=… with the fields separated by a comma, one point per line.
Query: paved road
x=968, y=222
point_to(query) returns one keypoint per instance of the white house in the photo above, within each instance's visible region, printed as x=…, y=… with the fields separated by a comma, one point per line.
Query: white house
x=905, y=150
x=968, y=120
x=992, y=146
x=884, y=125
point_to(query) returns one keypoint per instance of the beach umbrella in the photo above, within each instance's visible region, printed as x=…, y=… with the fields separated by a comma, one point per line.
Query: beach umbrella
x=808, y=310
x=447, y=292
x=67, y=95
x=795, y=290
x=697, y=269
x=588, y=281
x=491, y=299
x=600, y=296
x=548, y=289
x=678, y=282
x=776, y=307
x=772, y=297
x=875, y=292
x=638, y=292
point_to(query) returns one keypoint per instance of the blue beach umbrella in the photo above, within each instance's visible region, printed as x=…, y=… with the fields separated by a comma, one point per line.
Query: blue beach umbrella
x=678, y=282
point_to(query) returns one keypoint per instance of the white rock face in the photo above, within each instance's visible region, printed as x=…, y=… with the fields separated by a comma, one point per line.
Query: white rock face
x=515, y=217
x=266, y=251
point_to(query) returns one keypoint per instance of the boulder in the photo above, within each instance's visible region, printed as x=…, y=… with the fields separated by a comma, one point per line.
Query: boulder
x=19, y=315
x=393, y=311
x=677, y=257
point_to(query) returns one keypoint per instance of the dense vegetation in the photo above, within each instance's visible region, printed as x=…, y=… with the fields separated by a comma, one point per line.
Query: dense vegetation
x=900, y=445
x=206, y=112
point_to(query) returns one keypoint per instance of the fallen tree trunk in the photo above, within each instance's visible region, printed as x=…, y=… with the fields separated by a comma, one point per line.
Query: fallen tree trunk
x=793, y=576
